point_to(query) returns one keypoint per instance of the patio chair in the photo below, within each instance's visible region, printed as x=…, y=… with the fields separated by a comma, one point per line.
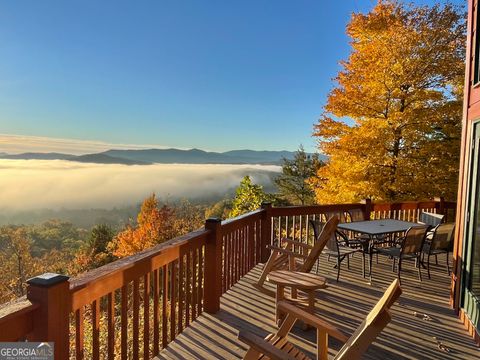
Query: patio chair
x=440, y=243
x=340, y=246
x=408, y=247
x=277, y=347
x=284, y=257
x=432, y=219
x=354, y=215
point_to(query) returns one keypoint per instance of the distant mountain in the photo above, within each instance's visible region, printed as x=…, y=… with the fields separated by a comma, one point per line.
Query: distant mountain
x=171, y=156
x=166, y=156
x=196, y=156
x=106, y=159
x=37, y=156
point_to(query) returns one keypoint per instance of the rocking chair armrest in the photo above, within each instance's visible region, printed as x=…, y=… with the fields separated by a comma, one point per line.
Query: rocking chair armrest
x=312, y=320
x=287, y=252
x=297, y=243
x=263, y=346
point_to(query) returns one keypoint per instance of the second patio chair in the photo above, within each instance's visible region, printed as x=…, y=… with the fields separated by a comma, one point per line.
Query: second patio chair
x=440, y=243
x=408, y=247
x=285, y=257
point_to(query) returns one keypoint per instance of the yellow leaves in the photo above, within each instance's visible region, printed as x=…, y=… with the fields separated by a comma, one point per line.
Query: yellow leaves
x=400, y=86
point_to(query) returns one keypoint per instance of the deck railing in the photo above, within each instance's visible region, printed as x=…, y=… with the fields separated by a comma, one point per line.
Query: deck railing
x=135, y=306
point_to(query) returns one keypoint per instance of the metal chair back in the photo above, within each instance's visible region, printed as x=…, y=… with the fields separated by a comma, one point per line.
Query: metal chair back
x=414, y=239
x=354, y=215
x=443, y=237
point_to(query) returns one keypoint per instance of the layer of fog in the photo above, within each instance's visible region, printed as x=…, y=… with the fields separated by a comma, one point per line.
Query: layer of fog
x=39, y=184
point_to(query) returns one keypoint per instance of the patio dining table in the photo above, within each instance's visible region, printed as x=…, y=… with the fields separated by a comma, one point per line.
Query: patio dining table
x=375, y=229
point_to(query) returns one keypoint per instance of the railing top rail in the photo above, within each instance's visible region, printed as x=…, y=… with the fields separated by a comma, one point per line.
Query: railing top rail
x=103, y=280
x=16, y=319
x=314, y=209
x=254, y=213
x=405, y=205
x=242, y=220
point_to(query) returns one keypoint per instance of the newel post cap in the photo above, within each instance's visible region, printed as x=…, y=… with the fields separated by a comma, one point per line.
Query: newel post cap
x=213, y=220
x=47, y=280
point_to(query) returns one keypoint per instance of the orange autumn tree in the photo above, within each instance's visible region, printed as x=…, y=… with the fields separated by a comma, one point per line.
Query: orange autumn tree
x=154, y=225
x=401, y=89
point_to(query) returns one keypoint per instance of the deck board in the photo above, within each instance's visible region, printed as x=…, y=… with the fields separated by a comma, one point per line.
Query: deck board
x=344, y=304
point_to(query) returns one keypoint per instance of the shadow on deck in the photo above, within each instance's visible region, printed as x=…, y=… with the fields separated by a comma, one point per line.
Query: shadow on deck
x=344, y=304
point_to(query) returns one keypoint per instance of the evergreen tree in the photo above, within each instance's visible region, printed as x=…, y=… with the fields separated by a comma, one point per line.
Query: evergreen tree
x=293, y=183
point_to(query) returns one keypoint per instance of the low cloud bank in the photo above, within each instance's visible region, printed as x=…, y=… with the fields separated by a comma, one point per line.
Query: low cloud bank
x=54, y=184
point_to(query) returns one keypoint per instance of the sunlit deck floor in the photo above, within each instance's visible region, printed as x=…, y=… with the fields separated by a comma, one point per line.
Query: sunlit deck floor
x=344, y=304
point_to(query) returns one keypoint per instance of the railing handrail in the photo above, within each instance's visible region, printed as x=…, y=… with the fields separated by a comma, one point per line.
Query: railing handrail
x=241, y=220
x=16, y=316
x=243, y=216
x=314, y=209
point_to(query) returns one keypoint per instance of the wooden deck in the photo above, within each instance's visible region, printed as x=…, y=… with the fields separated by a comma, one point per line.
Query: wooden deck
x=408, y=336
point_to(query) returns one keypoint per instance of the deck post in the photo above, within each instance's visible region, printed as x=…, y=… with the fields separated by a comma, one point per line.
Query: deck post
x=213, y=266
x=266, y=236
x=50, y=321
x=440, y=205
x=367, y=210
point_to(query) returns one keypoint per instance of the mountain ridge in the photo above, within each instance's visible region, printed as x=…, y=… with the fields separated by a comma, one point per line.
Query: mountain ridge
x=165, y=156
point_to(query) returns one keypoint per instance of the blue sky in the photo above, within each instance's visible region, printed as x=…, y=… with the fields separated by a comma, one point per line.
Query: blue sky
x=215, y=75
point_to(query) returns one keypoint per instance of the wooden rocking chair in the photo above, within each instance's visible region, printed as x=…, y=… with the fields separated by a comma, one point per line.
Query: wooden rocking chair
x=277, y=347
x=285, y=258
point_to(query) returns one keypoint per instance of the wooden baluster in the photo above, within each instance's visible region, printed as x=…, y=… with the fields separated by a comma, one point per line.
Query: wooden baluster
x=136, y=306
x=258, y=242
x=279, y=235
x=224, y=264
x=194, y=284
x=111, y=325
x=164, y=306
x=124, y=324
x=227, y=262
x=95, y=329
x=201, y=284
x=146, y=316
x=294, y=227
x=236, y=258
x=251, y=246
x=301, y=228
x=180, y=292
x=187, y=288
x=232, y=259
x=79, y=346
x=173, y=300
x=245, y=249
x=156, y=322
x=241, y=255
